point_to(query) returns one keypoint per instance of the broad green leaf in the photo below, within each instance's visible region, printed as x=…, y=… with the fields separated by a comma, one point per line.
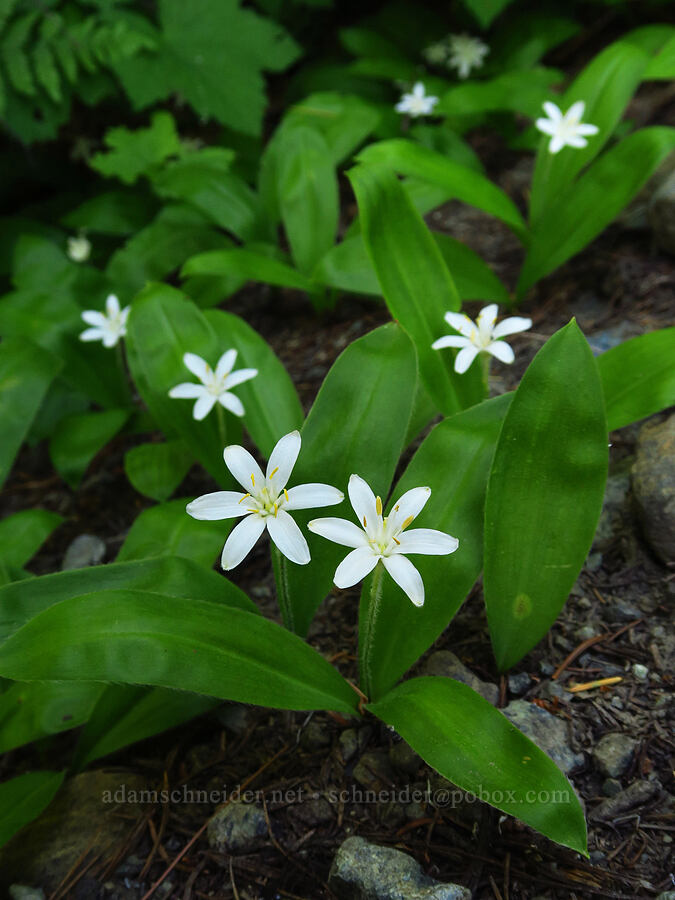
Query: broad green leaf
x=21, y=536
x=357, y=425
x=113, y=212
x=454, y=461
x=26, y=371
x=308, y=195
x=662, y=66
x=22, y=601
x=465, y=184
x=213, y=55
x=445, y=140
x=23, y=798
x=415, y=281
x=344, y=120
x=138, y=637
x=586, y=208
x=638, y=377
x=247, y=264
x=270, y=399
x=30, y=711
x=476, y=747
x=77, y=439
x=544, y=494
x=486, y=11
x=520, y=91
x=167, y=530
x=530, y=36
x=125, y=714
x=156, y=470
x=134, y=153
x=474, y=278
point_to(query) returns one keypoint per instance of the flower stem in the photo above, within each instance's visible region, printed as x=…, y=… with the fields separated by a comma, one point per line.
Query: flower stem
x=485, y=360
x=280, y=566
x=222, y=427
x=370, y=609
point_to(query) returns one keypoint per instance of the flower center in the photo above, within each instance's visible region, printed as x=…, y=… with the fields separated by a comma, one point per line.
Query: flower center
x=266, y=501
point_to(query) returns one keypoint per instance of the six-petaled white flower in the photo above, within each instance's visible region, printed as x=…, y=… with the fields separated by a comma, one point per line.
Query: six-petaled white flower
x=482, y=336
x=215, y=384
x=384, y=538
x=78, y=248
x=565, y=130
x=108, y=327
x=265, y=504
x=418, y=103
x=466, y=53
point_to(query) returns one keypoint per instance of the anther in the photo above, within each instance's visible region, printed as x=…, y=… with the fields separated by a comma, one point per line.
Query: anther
x=378, y=505
x=272, y=474
x=365, y=524
x=252, y=479
x=244, y=497
x=286, y=496
x=396, y=542
x=407, y=522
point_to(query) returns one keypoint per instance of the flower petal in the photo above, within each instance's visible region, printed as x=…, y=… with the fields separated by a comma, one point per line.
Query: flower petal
x=203, y=406
x=418, y=89
x=241, y=541
x=197, y=365
x=512, y=325
x=410, y=504
x=575, y=140
x=340, y=531
x=226, y=363
x=112, y=306
x=92, y=334
x=92, y=317
x=218, y=505
x=187, y=391
x=406, y=576
x=556, y=144
x=464, y=359
x=460, y=323
x=288, y=537
x=502, y=351
x=355, y=566
x=239, y=377
x=242, y=465
x=282, y=459
x=546, y=126
x=487, y=317
x=552, y=111
x=309, y=496
x=427, y=541
x=110, y=337
x=576, y=111
x=451, y=340
x=233, y=403
x=363, y=502
x=587, y=128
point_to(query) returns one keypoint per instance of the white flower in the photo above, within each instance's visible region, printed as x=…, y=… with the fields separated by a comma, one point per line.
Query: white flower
x=78, y=248
x=215, y=385
x=417, y=103
x=265, y=504
x=482, y=336
x=436, y=54
x=384, y=538
x=566, y=130
x=466, y=53
x=108, y=327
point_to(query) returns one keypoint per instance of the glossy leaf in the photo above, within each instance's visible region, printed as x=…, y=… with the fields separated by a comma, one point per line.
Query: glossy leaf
x=26, y=371
x=357, y=425
x=522, y=92
x=344, y=120
x=662, y=66
x=475, y=747
x=137, y=637
x=638, y=377
x=415, y=281
x=544, y=494
x=77, y=439
x=21, y=536
x=156, y=470
x=486, y=11
x=131, y=154
x=23, y=798
x=30, y=711
x=249, y=265
x=590, y=205
x=467, y=185
x=118, y=213
x=171, y=575
x=454, y=461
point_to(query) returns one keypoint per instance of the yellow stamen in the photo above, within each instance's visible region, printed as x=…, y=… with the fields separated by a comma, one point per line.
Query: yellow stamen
x=365, y=524
x=276, y=509
x=272, y=474
x=244, y=497
x=251, y=509
x=286, y=496
x=396, y=542
x=252, y=479
x=378, y=505
x=396, y=508
x=407, y=522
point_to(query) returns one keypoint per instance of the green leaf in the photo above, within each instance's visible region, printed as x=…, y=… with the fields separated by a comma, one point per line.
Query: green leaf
x=638, y=377
x=156, y=470
x=544, y=494
x=662, y=66
x=21, y=601
x=414, y=279
x=26, y=371
x=125, y=714
x=46, y=71
x=357, y=425
x=530, y=36
x=117, y=213
x=465, y=184
x=520, y=91
x=454, y=461
x=137, y=637
x=22, y=799
x=14, y=60
x=167, y=530
x=475, y=280
x=476, y=747
x=247, y=264
x=213, y=55
x=344, y=120
x=583, y=210
x=140, y=152
x=32, y=711
x=77, y=439
x=486, y=11
x=21, y=536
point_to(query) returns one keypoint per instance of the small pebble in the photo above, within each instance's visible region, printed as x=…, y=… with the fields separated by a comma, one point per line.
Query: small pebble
x=584, y=603
x=585, y=632
x=519, y=683
x=611, y=787
x=640, y=671
x=84, y=550
x=546, y=668
x=617, y=703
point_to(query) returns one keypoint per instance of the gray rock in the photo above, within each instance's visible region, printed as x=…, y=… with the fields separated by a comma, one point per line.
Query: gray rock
x=403, y=757
x=364, y=871
x=23, y=892
x=446, y=664
x=547, y=731
x=519, y=683
x=666, y=895
x=615, y=518
x=604, y=340
x=636, y=794
x=585, y=632
x=620, y=611
x=654, y=486
x=661, y=214
x=237, y=828
x=611, y=787
x=353, y=741
x=85, y=550
x=613, y=754
x=316, y=735
x=373, y=771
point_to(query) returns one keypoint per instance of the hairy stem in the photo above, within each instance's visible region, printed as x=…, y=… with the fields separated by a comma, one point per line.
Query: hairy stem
x=280, y=566
x=367, y=624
